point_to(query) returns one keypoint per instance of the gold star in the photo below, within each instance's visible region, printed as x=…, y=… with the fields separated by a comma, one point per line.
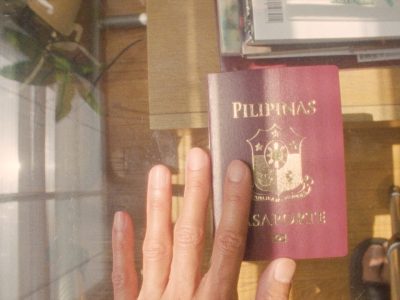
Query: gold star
x=275, y=133
x=294, y=145
x=259, y=147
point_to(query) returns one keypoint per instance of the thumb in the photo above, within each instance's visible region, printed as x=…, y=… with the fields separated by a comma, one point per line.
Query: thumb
x=276, y=280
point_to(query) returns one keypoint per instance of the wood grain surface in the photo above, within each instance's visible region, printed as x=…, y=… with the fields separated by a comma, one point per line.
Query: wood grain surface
x=182, y=47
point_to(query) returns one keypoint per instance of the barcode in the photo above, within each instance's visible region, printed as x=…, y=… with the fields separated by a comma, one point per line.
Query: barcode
x=385, y=54
x=273, y=11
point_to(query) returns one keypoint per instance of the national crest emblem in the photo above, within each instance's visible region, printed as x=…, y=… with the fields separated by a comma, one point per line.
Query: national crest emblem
x=277, y=165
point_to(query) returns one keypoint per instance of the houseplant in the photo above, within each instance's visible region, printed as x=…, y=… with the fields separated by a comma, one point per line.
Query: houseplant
x=49, y=59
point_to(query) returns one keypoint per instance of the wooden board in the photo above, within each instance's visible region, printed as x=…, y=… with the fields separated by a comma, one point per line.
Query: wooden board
x=182, y=49
x=370, y=93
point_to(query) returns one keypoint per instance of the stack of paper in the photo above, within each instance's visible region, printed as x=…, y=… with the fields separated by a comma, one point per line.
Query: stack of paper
x=369, y=29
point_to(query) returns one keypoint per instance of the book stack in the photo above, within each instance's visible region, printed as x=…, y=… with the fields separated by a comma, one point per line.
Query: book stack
x=368, y=29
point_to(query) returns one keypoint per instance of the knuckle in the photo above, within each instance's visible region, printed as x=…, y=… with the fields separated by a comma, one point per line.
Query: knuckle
x=153, y=250
x=229, y=242
x=187, y=236
x=234, y=197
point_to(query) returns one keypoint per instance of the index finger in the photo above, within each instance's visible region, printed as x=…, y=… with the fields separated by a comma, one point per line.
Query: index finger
x=230, y=237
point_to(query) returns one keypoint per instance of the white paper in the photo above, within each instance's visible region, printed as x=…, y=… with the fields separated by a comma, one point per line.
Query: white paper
x=280, y=21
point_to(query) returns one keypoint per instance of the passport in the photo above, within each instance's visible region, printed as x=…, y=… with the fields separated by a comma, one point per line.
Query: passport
x=286, y=124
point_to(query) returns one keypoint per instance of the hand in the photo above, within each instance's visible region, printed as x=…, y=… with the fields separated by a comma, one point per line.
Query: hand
x=172, y=261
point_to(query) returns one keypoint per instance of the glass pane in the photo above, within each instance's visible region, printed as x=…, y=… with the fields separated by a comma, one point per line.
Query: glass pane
x=52, y=190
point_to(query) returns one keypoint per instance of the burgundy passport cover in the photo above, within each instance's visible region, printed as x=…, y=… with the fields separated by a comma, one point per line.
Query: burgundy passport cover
x=286, y=123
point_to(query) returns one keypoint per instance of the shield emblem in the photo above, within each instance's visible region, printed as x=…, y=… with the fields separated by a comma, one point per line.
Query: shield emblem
x=277, y=163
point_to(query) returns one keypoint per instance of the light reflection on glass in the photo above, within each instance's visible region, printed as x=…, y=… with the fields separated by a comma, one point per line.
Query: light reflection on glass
x=9, y=178
x=8, y=250
x=52, y=202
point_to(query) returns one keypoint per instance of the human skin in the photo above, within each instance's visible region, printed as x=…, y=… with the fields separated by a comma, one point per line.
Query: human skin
x=172, y=254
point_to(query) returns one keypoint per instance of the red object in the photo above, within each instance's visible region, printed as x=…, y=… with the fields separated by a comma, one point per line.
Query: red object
x=286, y=123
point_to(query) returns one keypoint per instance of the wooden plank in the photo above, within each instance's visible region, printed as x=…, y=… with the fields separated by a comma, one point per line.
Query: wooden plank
x=185, y=31
x=368, y=94
x=370, y=86
x=123, y=7
x=179, y=120
x=373, y=93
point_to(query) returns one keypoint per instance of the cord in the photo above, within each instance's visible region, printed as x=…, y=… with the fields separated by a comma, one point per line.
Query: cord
x=40, y=64
x=113, y=61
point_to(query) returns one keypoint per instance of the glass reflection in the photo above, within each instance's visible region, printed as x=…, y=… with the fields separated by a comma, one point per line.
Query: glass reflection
x=52, y=191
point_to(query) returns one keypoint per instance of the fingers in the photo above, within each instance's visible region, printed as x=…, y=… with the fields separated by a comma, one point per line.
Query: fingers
x=157, y=245
x=190, y=227
x=124, y=276
x=230, y=236
x=178, y=277
x=275, y=282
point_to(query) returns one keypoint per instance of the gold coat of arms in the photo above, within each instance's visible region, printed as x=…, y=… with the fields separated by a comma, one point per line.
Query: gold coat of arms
x=277, y=165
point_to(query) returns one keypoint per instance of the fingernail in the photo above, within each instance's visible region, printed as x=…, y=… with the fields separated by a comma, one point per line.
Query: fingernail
x=197, y=159
x=374, y=256
x=236, y=171
x=119, y=221
x=159, y=177
x=284, y=270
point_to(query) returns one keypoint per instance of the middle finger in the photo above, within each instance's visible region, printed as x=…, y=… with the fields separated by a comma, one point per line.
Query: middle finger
x=189, y=229
x=230, y=237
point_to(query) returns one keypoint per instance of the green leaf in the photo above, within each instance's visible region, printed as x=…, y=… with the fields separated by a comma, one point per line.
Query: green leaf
x=61, y=63
x=87, y=95
x=23, y=43
x=65, y=95
x=86, y=70
x=20, y=71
